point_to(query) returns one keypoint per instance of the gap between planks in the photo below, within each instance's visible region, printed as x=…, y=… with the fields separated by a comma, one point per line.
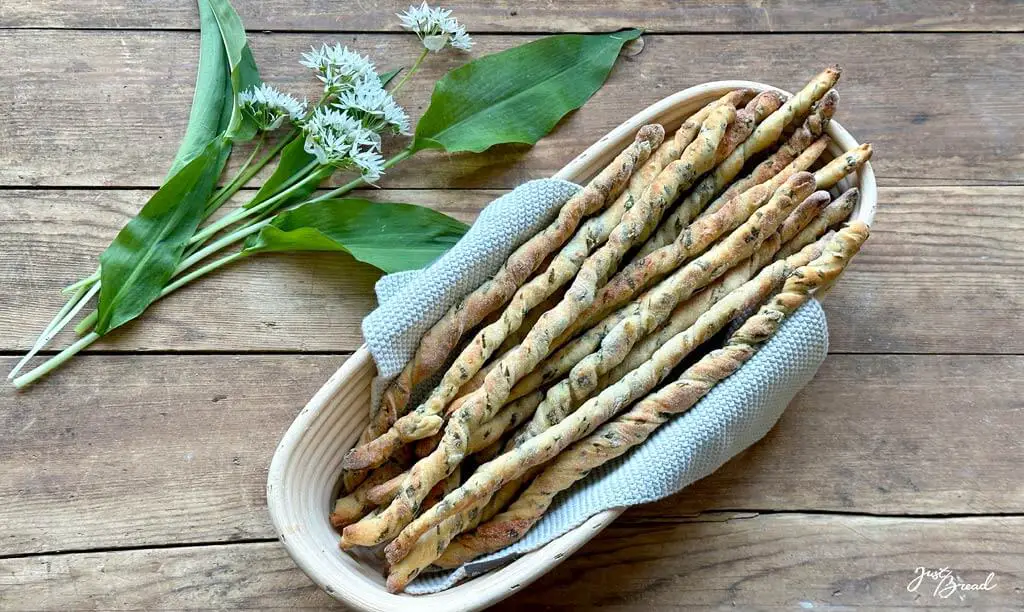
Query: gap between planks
x=716, y=516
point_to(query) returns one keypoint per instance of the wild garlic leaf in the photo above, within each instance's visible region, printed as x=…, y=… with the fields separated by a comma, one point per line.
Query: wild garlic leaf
x=143, y=256
x=517, y=95
x=242, y=66
x=389, y=236
x=386, y=77
x=211, y=106
x=293, y=158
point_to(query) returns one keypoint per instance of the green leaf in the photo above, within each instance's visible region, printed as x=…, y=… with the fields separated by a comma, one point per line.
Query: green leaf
x=143, y=256
x=390, y=236
x=389, y=75
x=242, y=66
x=211, y=106
x=517, y=95
x=293, y=159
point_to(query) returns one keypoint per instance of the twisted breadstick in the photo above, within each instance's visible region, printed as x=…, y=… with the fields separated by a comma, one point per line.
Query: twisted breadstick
x=724, y=174
x=379, y=442
x=807, y=134
x=632, y=428
x=681, y=318
x=439, y=341
x=424, y=420
x=483, y=402
x=656, y=306
x=831, y=216
x=510, y=417
x=767, y=132
x=842, y=166
x=642, y=272
x=512, y=464
x=686, y=313
x=668, y=151
x=356, y=504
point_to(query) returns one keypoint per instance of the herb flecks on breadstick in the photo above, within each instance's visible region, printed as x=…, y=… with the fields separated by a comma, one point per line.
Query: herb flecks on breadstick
x=809, y=133
x=716, y=264
x=483, y=402
x=440, y=340
x=766, y=134
x=632, y=428
x=656, y=306
x=831, y=216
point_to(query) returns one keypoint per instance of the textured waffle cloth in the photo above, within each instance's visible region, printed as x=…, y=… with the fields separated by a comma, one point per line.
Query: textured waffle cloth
x=736, y=413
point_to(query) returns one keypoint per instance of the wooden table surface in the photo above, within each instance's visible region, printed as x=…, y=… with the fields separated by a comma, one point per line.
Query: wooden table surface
x=134, y=477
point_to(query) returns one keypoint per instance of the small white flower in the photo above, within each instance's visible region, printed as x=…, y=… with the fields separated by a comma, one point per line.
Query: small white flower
x=338, y=139
x=339, y=68
x=370, y=164
x=375, y=107
x=269, y=107
x=435, y=27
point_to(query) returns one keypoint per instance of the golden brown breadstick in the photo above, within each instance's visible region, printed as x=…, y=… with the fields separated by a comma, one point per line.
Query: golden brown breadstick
x=632, y=428
x=569, y=355
x=832, y=216
x=356, y=504
x=510, y=417
x=767, y=132
x=482, y=403
x=842, y=166
x=439, y=341
x=656, y=306
x=643, y=272
x=426, y=548
x=809, y=133
x=424, y=421
x=714, y=263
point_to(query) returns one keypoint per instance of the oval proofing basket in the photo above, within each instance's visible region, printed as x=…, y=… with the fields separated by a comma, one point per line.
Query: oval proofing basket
x=303, y=479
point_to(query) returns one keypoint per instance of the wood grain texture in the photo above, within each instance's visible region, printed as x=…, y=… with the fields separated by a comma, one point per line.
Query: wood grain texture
x=141, y=451
x=917, y=98
x=541, y=16
x=716, y=561
x=938, y=275
x=117, y=451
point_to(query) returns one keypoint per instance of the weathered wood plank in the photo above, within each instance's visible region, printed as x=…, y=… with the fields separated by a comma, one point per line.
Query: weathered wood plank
x=121, y=451
x=938, y=275
x=541, y=16
x=125, y=451
x=743, y=561
x=784, y=561
x=935, y=106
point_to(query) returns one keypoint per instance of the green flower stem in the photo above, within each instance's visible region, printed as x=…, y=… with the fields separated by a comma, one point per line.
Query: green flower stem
x=86, y=324
x=82, y=282
x=49, y=331
x=180, y=281
x=204, y=270
x=220, y=193
x=415, y=67
x=359, y=182
x=219, y=244
x=244, y=178
x=307, y=173
x=55, y=362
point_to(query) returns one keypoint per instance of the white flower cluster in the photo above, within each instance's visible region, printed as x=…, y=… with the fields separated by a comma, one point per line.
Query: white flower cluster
x=269, y=107
x=435, y=27
x=374, y=106
x=339, y=69
x=341, y=140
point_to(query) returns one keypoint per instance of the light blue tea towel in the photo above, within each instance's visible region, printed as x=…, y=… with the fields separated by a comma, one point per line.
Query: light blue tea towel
x=738, y=412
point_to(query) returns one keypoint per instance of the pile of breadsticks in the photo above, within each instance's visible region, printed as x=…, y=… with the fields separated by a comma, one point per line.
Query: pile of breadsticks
x=561, y=358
